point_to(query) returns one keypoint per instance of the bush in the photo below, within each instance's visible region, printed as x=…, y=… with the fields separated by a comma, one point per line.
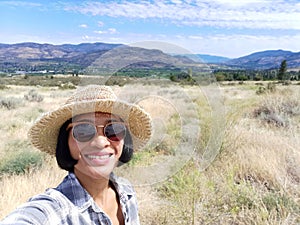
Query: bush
x=261, y=90
x=33, y=96
x=10, y=103
x=277, y=201
x=115, y=80
x=68, y=85
x=3, y=87
x=184, y=191
x=277, y=110
x=271, y=88
x=142, y=158
x=20, y=162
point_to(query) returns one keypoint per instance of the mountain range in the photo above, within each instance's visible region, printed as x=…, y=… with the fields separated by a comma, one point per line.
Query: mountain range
x=266, y=60
x=35, y=56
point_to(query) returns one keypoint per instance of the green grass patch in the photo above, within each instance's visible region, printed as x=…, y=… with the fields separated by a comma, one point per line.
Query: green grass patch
x=19, y=158
x=21, y=162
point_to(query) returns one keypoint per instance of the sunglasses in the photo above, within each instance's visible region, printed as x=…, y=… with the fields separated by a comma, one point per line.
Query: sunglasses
x=85, y=131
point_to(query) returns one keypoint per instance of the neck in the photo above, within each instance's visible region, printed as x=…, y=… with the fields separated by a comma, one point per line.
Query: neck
x=97, y=187
x=103, y=194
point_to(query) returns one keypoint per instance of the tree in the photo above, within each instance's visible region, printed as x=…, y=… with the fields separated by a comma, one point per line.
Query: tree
x=220, y=77
x=282, y=71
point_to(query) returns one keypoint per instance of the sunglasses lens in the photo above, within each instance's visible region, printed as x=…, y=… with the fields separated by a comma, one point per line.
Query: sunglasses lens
x=84, y=132
x=115, y=131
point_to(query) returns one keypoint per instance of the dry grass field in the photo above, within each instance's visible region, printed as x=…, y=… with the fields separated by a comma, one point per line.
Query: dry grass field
x=254, y=178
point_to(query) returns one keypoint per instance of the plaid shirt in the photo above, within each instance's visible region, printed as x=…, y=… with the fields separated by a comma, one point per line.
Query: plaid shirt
x=70, y=203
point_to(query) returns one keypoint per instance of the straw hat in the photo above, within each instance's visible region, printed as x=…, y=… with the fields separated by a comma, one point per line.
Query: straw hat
x=92, y=98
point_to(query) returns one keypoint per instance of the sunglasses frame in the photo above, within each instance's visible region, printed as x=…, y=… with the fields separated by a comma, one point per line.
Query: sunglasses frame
x=72, y=125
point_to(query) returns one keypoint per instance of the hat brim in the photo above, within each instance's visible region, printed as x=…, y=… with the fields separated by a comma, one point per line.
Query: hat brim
x=44, y=132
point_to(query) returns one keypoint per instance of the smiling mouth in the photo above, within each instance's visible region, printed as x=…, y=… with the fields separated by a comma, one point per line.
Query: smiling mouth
x=101, y=157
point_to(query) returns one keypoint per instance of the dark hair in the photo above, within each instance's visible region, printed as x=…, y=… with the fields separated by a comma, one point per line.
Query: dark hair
x=67, y=162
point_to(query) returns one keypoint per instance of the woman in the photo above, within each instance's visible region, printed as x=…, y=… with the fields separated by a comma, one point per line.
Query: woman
x=90, y=135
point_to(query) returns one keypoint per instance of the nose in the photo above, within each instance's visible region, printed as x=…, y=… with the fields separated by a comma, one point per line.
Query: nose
x=100, y=140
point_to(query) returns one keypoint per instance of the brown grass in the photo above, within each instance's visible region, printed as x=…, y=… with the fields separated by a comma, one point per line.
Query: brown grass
x=17, y=189
x=254, y=179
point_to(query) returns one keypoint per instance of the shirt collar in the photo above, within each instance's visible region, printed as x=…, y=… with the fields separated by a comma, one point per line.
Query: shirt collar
x=123, y=188
x=73, y=190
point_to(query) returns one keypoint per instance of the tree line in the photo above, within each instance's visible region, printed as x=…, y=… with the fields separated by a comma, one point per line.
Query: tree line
x=281, y=74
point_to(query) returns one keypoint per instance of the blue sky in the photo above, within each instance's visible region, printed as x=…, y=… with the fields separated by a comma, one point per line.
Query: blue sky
x=229, y=28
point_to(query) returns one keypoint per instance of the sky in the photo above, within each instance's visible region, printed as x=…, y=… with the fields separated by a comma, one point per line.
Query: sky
x=229, y=28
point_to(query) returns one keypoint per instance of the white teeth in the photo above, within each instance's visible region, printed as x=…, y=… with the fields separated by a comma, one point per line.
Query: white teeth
x=98, y=156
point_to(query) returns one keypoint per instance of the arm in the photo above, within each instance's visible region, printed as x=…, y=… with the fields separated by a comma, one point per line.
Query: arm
x=27, y=214
x=41, y=209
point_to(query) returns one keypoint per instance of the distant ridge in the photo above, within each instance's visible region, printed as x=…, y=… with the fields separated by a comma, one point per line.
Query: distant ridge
x=33, y=56
x=32, y=50
x=269, y=59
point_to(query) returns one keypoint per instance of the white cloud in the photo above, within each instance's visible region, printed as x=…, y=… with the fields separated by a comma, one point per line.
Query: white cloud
x=99, y=32
x=83, y=26
x=112, y=31
x=87, y=38
x=234, y=3
x=195, y=37
x=20, y=3
x=255, y=14
x=108, y=31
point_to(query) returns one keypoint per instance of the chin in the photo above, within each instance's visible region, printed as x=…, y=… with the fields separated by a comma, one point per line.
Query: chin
x=97, y=169
x=100, y=172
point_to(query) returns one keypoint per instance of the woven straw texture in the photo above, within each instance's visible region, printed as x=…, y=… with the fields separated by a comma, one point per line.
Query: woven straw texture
x=93, y=98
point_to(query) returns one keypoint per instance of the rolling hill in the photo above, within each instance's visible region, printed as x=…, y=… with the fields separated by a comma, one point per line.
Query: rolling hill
x=266, y=60
x=66, y=57
x=86, y=57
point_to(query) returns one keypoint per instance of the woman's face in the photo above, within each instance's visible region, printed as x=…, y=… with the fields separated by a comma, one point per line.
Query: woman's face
x=99, y=156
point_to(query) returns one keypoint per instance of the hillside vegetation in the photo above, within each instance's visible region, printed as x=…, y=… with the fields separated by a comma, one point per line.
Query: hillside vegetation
x=254, y=178
x=35, y=58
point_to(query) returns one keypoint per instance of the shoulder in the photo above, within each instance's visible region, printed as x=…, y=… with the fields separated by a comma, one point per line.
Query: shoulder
x=52, y=198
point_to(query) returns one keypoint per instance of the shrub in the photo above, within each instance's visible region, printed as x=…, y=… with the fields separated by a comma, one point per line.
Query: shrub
x=115, y=80
x=3, y=87
x=220, y=77
x=10, y=103
x=142, y=158
x=33, y=96
x=277, y=110
x=151, y=154
x=68, y=85
x=183, y=189
x=277, y=201
x=271, y=88
x=20, y=162
x=261, y=90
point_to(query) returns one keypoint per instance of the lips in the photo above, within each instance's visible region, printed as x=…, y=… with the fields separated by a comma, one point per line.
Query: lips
x=102, y=157
x=99, y=158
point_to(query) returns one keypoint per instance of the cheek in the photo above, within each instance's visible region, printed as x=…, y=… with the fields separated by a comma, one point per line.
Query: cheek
x=118, y=147
x=74, y=150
